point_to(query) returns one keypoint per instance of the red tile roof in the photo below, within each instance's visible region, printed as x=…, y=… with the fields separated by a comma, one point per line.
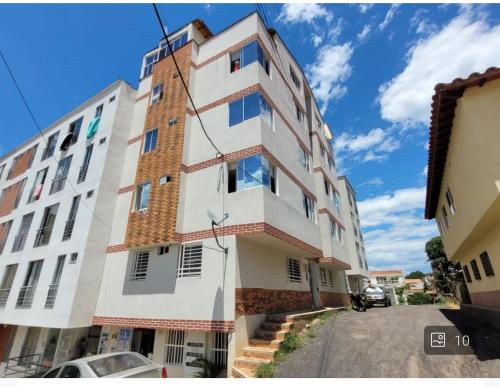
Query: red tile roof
x=443, y=107
x=386, y=272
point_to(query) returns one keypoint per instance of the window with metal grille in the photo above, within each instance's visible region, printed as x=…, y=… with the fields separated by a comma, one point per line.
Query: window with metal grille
x=330, y=277
x=293, y=270
x=475, y=269
x=174, y=347
x=485, y=261
x=190, y=261
x=140, y=266
x=467, y=274
x=218, y=350
x=322, y=276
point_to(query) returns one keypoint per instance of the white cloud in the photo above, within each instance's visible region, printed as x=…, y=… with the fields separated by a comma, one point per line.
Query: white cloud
x=363, y=8
x=397, y=231
x=421, y=24
x=363, y=35
x=316, y=39
x=465, y=45
x=376, y=181
x=303, y=13
x=424, y=171
x=329, y=72
x=372, y=146
x=388, y=16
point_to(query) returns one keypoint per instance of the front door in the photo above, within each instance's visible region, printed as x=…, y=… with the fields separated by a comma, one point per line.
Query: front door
x=29, y=345
x=50, y=347
x=314, y=284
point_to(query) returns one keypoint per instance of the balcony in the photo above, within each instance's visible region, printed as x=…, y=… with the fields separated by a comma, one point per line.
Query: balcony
x=19, y=242
x=4, y=295
x=83, y=173
x=58, y=184
x=68, y=229
x=43, y=236
x=51, y=296
x=25, y=298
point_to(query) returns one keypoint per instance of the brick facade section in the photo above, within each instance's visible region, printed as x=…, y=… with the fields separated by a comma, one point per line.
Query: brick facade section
x=135, y=139
x=22, y=162
x=247, y=152
x=9, y=197
x=116, y=249
x=491, y=298
x=334, y=300
x=333, y=261
x=250, y=301
x=157, y=224
x=128, y=188
x=185, y=325
x=331, y=216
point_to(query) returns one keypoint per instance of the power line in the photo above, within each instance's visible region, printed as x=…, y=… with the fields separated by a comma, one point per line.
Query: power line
x=219, y=153
x=41, y=132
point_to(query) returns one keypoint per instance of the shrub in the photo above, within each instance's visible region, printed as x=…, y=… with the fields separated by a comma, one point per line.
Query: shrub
x=291, y=343
x=401, y=300
x=279, y=356
x=420, y=299
x=265, y=370
x=440, y=300
x=311, y=334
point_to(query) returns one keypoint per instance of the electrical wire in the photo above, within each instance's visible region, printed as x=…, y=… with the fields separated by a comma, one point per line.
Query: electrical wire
x=41, y=132
x=219, y=153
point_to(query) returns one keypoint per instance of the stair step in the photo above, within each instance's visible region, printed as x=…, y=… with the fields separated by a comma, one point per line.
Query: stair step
x=277, y=318
x=248, y=362
x=259, y=342
x=259, y=353
x=270, y=335
x=242, y=372
x=275, y=326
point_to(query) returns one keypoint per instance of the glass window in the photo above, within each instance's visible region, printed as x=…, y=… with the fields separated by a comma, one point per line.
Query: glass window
x=190, y=261
x=157, y=94
x=74, y=129
x=148, y=68
x=142, y=196
x=304, y=158
x=150, y=142
x=140, y=266
x=487, y=266
x=309, y=208
x=451, y=202
x=98, y=110
x=445, y=217
x=294, y=272
x=249, y=107
x=252, y=52
x=475, y=269
x=295, y=79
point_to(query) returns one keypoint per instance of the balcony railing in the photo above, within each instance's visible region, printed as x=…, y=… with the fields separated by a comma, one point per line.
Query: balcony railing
x=43, y=236
x=19, y=242
x=58, y=184
x=83, y=173
x=51, y=296
x=4, y=295
x=48, y=152
x=68, y=229
x=25, y=298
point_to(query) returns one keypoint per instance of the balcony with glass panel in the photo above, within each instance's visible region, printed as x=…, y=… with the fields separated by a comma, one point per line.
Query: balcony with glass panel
x=25, y=298
x=51, y=296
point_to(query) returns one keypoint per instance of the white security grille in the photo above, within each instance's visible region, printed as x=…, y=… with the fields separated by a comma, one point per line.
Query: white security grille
x=293, y=270
x=330, y=278
x=174, y=347
x=190, y=261
x=322, y=276
x=140, y=266
x=218, y=352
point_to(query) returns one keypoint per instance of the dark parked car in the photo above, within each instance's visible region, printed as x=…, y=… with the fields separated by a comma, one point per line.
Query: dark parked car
x=377, y=294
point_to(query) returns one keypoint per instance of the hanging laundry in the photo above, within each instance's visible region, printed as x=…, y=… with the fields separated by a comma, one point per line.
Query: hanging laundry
x=93, y=126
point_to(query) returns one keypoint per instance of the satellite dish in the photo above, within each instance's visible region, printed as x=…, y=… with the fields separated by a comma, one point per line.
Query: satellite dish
x=212, y=217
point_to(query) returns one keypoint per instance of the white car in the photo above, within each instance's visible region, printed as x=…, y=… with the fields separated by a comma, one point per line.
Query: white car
x=109, y=365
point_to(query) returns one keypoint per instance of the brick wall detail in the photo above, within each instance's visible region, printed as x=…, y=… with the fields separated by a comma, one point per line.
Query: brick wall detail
x=135, y=139
x=157, y=224
x=491, y=298
x=128, y=188
x=23, y=162
x=333, y=261
x=331, y=216
x=186, y=325
x=333, y=299
x=9, y=198
x=250, y=301
x=116, y=248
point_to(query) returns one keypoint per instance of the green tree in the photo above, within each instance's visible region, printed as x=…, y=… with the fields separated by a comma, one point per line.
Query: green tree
x=447, y=274
x=415, y=275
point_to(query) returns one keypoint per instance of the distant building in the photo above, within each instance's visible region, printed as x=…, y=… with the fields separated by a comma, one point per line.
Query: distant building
x=463, y=190
x=391, y=277
x=415, y=285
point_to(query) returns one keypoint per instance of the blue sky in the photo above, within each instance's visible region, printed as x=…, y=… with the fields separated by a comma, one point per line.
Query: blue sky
x=372, y=67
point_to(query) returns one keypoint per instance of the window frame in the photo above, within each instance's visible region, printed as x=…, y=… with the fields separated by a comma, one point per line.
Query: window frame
x=140, y=266
x=450, y=201
x=193, y=266
x=138, y=196
x=148, y=145
x=475, y=270
x=309, y=206
x=157, y=93
x=487, y=265
x=293, y=270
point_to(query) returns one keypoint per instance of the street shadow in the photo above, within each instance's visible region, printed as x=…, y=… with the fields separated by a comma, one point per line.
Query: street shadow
x=486, y=346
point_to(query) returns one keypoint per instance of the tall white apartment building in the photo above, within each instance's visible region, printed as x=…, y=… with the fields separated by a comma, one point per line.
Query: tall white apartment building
x=57, y=199
x=203, y=244
x=358, y=275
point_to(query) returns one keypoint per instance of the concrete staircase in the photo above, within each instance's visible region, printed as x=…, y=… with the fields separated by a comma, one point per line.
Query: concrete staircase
x=263, y=346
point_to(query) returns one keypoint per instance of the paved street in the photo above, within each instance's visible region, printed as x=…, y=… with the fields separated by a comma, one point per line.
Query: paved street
x=388, y=342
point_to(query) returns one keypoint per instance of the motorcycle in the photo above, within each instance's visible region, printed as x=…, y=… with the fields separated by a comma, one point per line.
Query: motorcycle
x=358, y=301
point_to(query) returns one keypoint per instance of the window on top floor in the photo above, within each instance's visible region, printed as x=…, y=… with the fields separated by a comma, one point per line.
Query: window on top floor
x=295, y=78
x=98, y=110
x=248, y=107
x=51, y=146
x=450, y=201
x=74, y=129
x=149, y=65
x=250, y=172
x=248, y=54
x=175, y=43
